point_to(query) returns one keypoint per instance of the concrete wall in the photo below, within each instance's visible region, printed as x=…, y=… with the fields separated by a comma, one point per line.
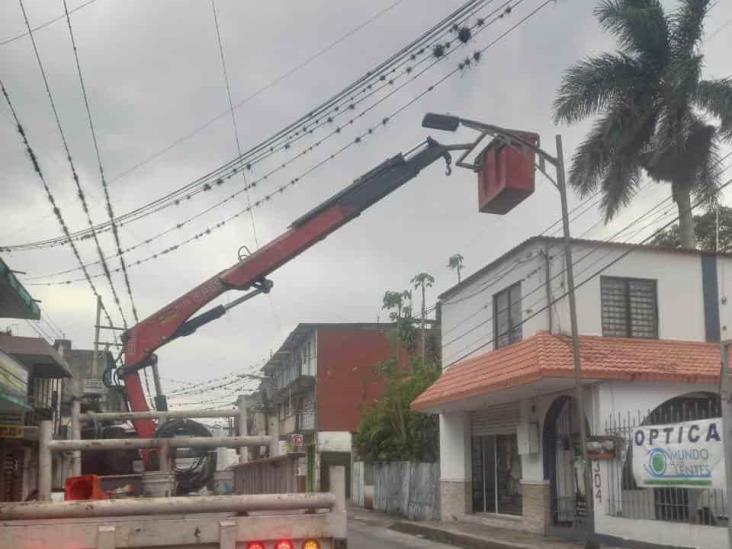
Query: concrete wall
x=467, y=323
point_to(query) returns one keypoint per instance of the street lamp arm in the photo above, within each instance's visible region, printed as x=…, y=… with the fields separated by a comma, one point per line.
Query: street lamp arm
x=451, y=123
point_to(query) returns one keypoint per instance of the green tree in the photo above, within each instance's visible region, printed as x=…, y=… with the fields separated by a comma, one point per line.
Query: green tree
x=455, y=262
x=421, y=282
x=705, y=229
x=654, y=108
x=389, y=429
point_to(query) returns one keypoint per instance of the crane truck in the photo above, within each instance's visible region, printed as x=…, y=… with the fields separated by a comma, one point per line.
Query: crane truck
x=265, y=521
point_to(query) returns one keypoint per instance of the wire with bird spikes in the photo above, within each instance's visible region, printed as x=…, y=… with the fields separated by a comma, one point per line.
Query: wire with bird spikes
x=56, y=210
x=75, y=175
x=357, y=140
x=292, y=126
x=110, y=211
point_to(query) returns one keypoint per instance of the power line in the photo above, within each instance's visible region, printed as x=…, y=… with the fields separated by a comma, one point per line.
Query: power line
x=79, y=190
x=233, y=117
x=592, y=276
x=256, y=93
x=110, y=211
x=44, y=25
x=49, y=195
x=299, y=127
x=279, y=190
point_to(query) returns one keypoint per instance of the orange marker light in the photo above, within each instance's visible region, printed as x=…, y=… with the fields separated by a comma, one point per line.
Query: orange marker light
x=284, y=544
x=311, y=544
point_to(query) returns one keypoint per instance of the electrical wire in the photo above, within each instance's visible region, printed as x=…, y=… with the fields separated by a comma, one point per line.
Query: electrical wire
x=359, y=139
x=593, y=275
x=44, y=25
x=49, y=195
x=234, y=125
x=256, y=93
x=108, y=202
x=299, y=127
x=79, y=190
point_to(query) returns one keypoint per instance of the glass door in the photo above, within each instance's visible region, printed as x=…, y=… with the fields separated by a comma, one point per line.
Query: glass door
x=496, y=485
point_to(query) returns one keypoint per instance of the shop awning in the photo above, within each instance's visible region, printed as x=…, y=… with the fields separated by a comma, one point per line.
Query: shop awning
x=15, y=301
x=546, y=356
x=36, y=354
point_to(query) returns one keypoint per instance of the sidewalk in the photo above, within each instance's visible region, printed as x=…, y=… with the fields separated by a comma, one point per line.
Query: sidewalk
x=460, y=534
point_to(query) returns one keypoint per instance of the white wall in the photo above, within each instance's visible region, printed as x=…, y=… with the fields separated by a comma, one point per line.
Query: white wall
x=467, y=323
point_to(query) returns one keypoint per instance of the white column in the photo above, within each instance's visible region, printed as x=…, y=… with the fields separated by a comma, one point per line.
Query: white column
x=455, y=473
x=75, y=435
x=45, y=463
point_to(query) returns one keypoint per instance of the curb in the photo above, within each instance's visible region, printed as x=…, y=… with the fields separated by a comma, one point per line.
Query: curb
x=451, y=538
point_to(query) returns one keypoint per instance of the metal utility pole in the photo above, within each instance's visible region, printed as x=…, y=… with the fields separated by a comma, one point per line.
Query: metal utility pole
x=725, y=397
x=97, y=327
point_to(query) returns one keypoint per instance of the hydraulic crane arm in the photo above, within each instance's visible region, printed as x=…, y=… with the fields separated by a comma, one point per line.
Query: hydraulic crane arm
x=141, y=341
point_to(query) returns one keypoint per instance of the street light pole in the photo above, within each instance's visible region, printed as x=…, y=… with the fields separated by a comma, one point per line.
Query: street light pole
x=451, y=123
x=579, y=389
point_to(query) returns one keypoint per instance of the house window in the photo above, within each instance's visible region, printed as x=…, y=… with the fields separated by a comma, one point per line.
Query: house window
x=507, y=315
x=629, y=307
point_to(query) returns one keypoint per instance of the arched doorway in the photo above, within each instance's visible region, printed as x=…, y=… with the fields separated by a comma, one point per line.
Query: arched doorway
x=570, y=513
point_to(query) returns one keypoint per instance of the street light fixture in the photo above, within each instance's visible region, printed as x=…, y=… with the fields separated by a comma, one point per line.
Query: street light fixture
x=447, y=122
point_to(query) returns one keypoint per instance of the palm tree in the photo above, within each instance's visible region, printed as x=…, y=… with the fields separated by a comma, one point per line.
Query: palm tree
x=455, y=262
x=654, y=109
x=393, y=300
x=423, y=281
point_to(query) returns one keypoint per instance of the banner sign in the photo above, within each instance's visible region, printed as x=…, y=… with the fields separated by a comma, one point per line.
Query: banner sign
x=688, y=454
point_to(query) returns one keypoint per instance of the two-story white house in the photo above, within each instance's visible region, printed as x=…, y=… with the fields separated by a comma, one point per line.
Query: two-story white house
x=650, y=321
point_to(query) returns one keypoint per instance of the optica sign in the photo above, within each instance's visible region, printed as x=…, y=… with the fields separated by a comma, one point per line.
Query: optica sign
x=688, y=454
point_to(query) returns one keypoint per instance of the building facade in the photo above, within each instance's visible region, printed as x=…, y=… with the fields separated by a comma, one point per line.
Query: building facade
x=31, y=376
x=650, y=321
x=317, y=386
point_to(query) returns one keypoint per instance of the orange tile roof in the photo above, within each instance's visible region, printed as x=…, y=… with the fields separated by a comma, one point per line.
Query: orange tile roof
x=546, y=355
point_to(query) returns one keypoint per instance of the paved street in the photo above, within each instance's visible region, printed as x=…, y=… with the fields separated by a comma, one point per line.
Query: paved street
x=366, y=535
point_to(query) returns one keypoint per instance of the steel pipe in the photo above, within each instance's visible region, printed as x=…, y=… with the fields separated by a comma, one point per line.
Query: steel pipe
x=32, y=510
x=150, y=443
x=153, y=414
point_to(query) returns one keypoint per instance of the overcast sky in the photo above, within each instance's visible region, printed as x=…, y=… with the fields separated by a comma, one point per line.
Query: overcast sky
x=153, y=74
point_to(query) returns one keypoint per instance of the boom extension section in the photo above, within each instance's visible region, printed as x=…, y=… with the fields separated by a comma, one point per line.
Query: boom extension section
x=172, y=321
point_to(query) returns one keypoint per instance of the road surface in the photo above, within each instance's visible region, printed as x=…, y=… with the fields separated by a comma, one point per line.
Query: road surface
x=362, y=535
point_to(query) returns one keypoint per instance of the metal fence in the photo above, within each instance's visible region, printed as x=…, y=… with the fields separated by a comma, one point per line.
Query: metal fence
x=403, y=488
x=704, y=506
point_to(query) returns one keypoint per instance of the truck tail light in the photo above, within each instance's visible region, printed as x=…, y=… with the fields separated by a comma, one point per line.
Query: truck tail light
x=311, y=544
x=255, y=545
x=284, y=544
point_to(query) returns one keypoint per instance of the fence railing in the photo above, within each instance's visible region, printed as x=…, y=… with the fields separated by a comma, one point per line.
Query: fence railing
x=706, y=506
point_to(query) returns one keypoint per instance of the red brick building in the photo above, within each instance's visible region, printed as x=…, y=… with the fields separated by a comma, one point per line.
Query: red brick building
x=320, y=381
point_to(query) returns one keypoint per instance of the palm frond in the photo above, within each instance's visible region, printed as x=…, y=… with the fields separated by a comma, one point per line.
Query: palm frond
x=620, y=183
x=710, y=171
x=592, y=84
x=715, y=97
x=640, y=26
x=687, y=27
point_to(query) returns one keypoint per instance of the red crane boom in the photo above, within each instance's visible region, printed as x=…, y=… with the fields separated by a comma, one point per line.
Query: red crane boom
x=174, y=320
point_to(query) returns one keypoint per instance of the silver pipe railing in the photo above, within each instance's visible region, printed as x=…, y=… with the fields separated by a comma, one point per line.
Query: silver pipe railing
x=171, y=505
